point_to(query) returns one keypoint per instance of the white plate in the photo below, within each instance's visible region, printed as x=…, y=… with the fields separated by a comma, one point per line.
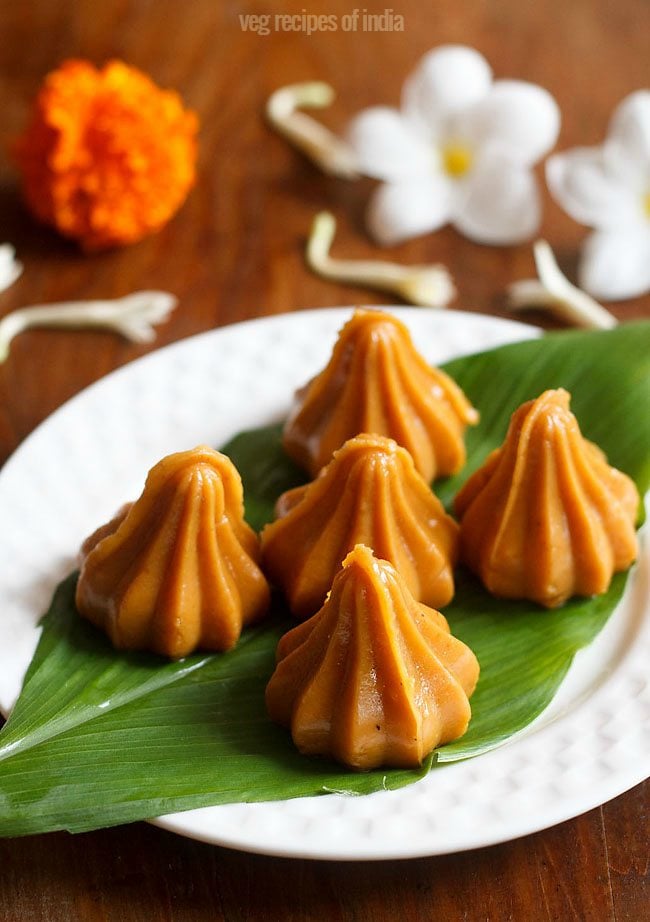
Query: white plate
x=591, y=744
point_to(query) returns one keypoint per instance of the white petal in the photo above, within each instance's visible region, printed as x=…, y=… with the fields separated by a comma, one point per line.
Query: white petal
x=398, y=211
x=627, y=149
x=582, y=184
x=554, y=292
x=500, y=204
x=325, y=149
x=616, y=265
x=10, y=268
x=447, y=80
x=386, y=146
x=520, y=117
x=428, y=285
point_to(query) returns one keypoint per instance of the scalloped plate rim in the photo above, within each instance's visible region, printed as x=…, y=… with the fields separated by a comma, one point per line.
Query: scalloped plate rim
x=329, y=827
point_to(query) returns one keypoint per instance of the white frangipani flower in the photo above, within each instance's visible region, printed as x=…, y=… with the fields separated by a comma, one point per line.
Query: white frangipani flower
x=608, y=188
x=459, y=150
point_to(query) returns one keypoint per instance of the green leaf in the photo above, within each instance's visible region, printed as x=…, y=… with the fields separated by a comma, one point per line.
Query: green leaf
x=99, y=737
x=266, y=471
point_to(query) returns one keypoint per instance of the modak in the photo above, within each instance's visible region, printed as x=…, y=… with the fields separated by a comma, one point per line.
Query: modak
x=377, y=382
x=546, y=517
x=374, y=678
x=177, y=569
x=370, y=493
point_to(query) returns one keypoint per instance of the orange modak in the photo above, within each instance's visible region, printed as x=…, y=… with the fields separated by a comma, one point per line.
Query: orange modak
x=376, y=381
x=374, y=678
x=178, y=569
x=370, y=493
x=546, y=517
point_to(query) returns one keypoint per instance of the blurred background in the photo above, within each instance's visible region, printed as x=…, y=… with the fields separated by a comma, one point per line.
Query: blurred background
x=235, y=249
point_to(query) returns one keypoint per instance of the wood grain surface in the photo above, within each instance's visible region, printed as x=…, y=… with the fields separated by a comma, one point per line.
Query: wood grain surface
x=235, y=251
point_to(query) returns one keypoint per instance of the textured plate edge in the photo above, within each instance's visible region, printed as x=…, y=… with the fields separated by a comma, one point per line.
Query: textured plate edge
x=169, y=822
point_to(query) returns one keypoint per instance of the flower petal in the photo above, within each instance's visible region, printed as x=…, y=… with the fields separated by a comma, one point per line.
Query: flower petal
x=554, y=292
x=582, y=184
x=627, y=149
x=616, y=264
x=446, y=81
x=520, y=117
x=10, y=268
x=500, y=204
x=386, y=146
x=398, y=211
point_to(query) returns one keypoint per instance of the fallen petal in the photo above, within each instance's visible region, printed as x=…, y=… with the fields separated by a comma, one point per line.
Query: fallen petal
x=327, y=151
x=428, y=285
x=554, y=292
x=10, y=268
x=132, y=316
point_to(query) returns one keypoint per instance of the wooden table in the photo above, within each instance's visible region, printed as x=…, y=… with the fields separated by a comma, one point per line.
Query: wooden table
x=234, y=252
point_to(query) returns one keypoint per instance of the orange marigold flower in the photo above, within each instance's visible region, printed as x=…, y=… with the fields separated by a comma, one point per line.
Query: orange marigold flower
x=108, y=157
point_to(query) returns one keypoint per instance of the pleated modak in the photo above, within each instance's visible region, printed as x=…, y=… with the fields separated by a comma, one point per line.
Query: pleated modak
x=374, y=678
x=370, y=493
x=546, y=517
x=178, y=569
x=377, y=382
